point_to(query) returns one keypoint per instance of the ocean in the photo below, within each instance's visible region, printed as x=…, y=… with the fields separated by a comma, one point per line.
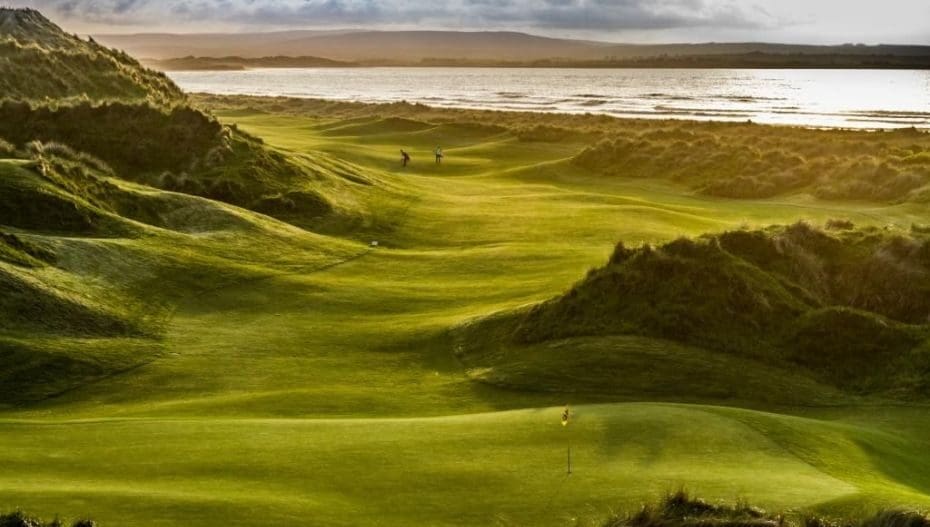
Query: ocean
x=816, y=98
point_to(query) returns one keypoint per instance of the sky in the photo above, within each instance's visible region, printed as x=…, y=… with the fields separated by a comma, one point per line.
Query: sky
x=794, y=21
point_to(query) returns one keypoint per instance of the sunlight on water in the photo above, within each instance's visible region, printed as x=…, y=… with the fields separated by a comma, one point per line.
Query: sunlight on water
x=829, y=98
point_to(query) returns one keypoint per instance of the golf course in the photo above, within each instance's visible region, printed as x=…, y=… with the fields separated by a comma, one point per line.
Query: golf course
x=299, y=330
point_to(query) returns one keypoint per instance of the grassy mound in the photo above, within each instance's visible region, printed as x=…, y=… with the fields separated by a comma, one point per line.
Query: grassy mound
x=181, y=150
x=39, y=61
x=850, y=308
x=746, y=162
x=129, y=137
x=58, y=89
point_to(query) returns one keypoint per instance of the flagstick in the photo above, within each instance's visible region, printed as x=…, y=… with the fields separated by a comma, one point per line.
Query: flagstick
x=566, y=416
x=569, y=457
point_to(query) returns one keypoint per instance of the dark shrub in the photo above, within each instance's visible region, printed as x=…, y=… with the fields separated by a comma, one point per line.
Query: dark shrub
x=19, y=519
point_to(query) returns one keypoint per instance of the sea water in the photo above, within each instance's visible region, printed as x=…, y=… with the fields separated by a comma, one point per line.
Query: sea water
x=806, y=97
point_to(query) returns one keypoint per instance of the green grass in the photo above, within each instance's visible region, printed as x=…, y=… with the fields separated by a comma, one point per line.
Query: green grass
x=306, y=378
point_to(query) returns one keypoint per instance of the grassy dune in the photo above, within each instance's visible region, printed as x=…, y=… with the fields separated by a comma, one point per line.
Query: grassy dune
x=846, y=307
x=305, y=377
x=41, y=63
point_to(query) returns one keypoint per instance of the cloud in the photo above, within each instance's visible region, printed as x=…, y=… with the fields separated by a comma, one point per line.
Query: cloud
x=598, y=15
x=816, y=21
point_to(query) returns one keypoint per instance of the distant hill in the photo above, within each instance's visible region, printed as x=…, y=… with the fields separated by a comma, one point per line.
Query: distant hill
x=755, y=60
x=38, y=60
x=355, y=46
x=240, y=63
x=415, y=46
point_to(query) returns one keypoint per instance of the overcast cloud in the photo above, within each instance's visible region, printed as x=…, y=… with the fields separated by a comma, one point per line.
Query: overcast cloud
x=817, y=21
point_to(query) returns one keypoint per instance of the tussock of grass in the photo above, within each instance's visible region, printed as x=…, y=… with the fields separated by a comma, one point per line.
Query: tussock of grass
x=21, y=519
x=681, y=510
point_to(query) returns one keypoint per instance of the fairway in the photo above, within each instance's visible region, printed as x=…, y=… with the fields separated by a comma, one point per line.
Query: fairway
x=311, y=378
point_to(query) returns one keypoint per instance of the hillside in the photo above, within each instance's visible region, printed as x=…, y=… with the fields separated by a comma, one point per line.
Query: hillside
x=848, y=306
x=39, y=61
x=240, y=63
x=102, y=180
x=413, y=47
x=138, y=122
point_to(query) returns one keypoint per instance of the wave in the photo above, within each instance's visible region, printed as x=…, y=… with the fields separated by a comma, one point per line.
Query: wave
x=667, y=96
x=722, y=111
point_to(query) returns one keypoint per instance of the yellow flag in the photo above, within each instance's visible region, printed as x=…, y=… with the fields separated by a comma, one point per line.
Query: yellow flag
x=566, y=415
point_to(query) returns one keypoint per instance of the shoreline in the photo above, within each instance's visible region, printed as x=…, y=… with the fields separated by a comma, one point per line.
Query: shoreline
x=676, y=117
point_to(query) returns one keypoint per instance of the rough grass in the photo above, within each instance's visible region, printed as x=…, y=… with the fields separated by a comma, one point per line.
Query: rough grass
x=681, y=510
x=831, y=165
x=38, y=61
x=186, y=151
x=74, y=99
x=21, y=519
